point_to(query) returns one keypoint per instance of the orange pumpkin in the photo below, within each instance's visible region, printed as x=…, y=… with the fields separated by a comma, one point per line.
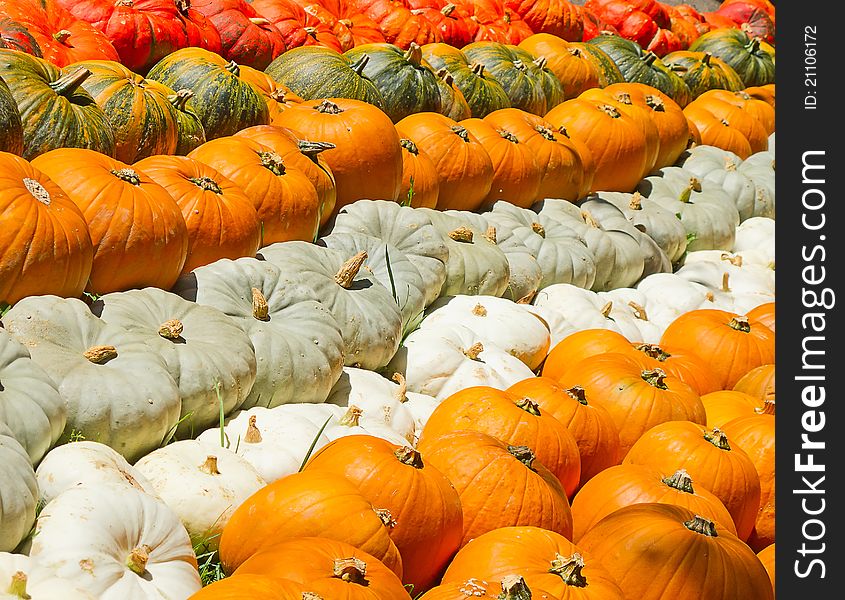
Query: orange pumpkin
x=513, y=419
x=545, y=559
x=425, y=506
x=221, y=220
x=767, y=557
x=764, y=313
x=580, y=345
x=254, y=587
x=139, y=235
x=278, y=97
x=308, y=503
x=512, y=587
x=731, y=344
x=500, y=485
x=758, y=382
x=728, y=132
x=682, y=364
x=723, y=405
x=759, y=109
x=575, y=69
x=711, y=459
x=284, y=198
x=420, y=181
x=661, y=552
x=766, y=93
x=45, y=247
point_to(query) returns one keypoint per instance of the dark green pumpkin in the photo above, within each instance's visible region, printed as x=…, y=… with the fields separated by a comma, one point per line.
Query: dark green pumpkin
x=55, y=111
x=642, y=66
x=452, y=101
x=143, y=119
x=314, y=72
x=11, y=128
x=608, y=72
x=754, y=65
x=188, y=125
x=407, y=84
x=224, y=102
x=702, y=71
x=481, y=90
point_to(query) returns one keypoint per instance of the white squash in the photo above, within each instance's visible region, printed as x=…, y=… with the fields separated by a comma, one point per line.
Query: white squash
x=18, y=491
x=23, y=578
x=755, y=241
x=677, y=295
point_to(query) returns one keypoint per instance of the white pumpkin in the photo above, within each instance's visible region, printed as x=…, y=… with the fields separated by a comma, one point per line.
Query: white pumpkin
x=85, y=463
x=116, y=543
x=677, y=295
x=651, y=318
x=728, y=272
x=18, y=491
x=202, y=485
x=755, y=241
x=22, y=577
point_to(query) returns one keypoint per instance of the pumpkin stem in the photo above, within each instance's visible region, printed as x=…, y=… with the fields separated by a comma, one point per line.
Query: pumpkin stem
x=67, y=84
x=209, y=467
x=576, y=52
x=260, y=309
x=519, y=64
x=328, y=107
x=479, y=310
x=754, y=45
x=508, y=136
x=639, y=311
x=179, y=100
x=523, y=454
x=312, y=31
x=527, y=298
x=272, y=162
x=312, y=149
x=490, y=235
x=183, y=6
x=655, y=103
x=18, y=586
x=346, y=22
x=137, y=559
x=253, y=434
x=402, y=392
x=311, y=596
x=206, y=183
x=768, y=408
x=446, y=76
x=655, y=377
x=260, y=21
x=649, y=58
x=538, y=229
x=578, y=393
x=569, y=568
x=606, y=309
x=701, y=525
x=474, y=351
x=562, y=131
x=408, y=456
x=410, y=146
x=686, y=194
x=681, y=481
x=171, y=329
x=514, y=588
x=62, y=36
x=128, y=175
x=233, y=68
x=461, y=132
x=624, y=98
x=610, y=111
x=37, y=191
x=636, y=202
x=734, y=259
x=589, y=219
x=545, y=132
x=100, y=355
x=351, y=417
x=461, y=234
x=529, y=406
x=718, y=438
x=705, y=60
x=477, y=69
x=350, y=570
x=541, y=62
x=448, y=10
x=740, y=323
x=348, y=270
x=413, y=54
x=385, y=517
x=653, y=351
x=361, y=64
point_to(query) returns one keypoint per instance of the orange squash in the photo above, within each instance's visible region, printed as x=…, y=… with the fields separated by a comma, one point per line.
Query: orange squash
x=420, y=181
x=758, y=382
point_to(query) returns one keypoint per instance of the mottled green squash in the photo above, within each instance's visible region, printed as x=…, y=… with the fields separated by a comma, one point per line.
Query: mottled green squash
x=191, y=133
x=745, y=54
x=314, y=72
x=452, y=101
x=702, y=71
x=608, y=72
x=11, y=128
x=407, y=84
x=55, y=111
x=223, y=101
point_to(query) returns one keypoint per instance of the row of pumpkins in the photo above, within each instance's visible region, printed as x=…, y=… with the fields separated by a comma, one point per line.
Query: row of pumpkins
x=255, y=32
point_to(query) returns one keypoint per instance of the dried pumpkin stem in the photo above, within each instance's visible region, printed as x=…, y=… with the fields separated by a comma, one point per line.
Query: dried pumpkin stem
x=413, y=54
x=209, y=467
x=701, y=525
x=514, y=588
x=538, y=229
x=385, y=517
x=100, y=355
x=740, y=323
x=523, y=454
x=606, y=309
x=328, y=107
x=312, y=149
x=206, y=183
x=402, y=392
x=260, y=309
x=233, y=68
x=410, y=146
x=569, y=568
x=253, y=434
x=461, y=132
x=680, y=480
x=479, y=311
x=137, y=559
x=408, y=456
x=768, y=408
x=349, y=270
x=655, y=377
x=171, y=329
x=351, y=417
x=653, y=351
x=474, y=351
x=351, y=570
x=636, y=202
x=639, y=311
x=529, y=406
x=578, y=393
x=718, y=438
x=490, y=235
x=461, y=234
x=37, y=191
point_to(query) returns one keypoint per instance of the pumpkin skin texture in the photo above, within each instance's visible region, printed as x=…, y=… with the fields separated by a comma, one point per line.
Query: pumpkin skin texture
x=477, y=464
x=309, y=503
x=453, y=104
x=725, y=405
x=545, y=559
x=580, y=345
x=278, y=97
x=223, y=102
x=255, y=587
x=427, y=539
x=19, y=492
x=575, y=70
x=702, y=71
x=11, y=128
x=315, y=561
x=45, y=247
x=54, y=110
x=143, y=120
x=221, y=219
x=767, y=557
x=688, y=557
x=147, y=246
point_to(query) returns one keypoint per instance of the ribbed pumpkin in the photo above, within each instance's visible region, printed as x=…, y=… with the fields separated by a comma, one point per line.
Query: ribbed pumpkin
x=11, y=128
x=758, y=382
x=737, y=117
x=221, y=219
x=351, y=26
x=277, y=96
x=464, y=166
x=702, y=71
x=425, y=506
x=684, y=365
x=659, y=552
x=452, y=101
x=45, y=247
x=764, y=313
x=557, y=17
x=139, y=235
x=366, y=161
x=722, y=406
x=711, y=458
x=420, y=181
x=191, y=132
x=406, y=83
x=54, y=109
x=222, y=100
x=767, y=557
x=15, y=36
x=710, y=130
x=762, y=92
x=309, y=503
x=579, y=345
x=313, y=72
x=574, y=68
x=398, y=24
x=744, y=53
x=297, y=26
x=143, y=120
x=499, y=484
x=545, y=559
x=450, y=20
x=608, y=70
x=284, y=198
x=762, y=110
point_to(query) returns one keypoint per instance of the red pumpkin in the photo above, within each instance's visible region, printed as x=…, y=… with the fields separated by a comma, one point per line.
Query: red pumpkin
x=448, y=18
x=556, y=17
x=297, y=26
x=15, y=36
x=398, y=24
x=351, y=26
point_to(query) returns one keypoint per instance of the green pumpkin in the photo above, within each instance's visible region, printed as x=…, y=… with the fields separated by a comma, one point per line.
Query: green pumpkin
x=224, y=102
x=56, y=112
x=754, y=65
x=481, y=89
x=608, y=71
x=190, y=131
x=406, y=83
x=643, y=66
x=452, y=101
x=702, y=71
x=314, y=72
x=11, y=128
x=143, y=119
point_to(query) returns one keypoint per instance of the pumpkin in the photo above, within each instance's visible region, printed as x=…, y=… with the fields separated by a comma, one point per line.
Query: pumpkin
x=148, y=245
x=151, y=554
x=555, y=17
x=681, y=548
x=405, y=82
x=510, y=588
x=15, y=36
x=223, y=101
x=545, y=559
x=757, y=234
x=284, y=198
x=312, y=502
x=711, y=460
x=608, y=70
x=24, y=577
x=328, y=568
x=425, y=539
x=399, y=25
x=19, y=494
x=257, y=587
x=453, y=104
x=767, y=557
x=574, y=68
x=463, y=164
x=351, y=125
x=702, y=71
x=447, y=18
x=766, y=93
x=724, y=405
x=30, y=404
x=11, y=137
x=45, y=247
x=496, y=22
x=733, y=117
x=351, y=26
x=200, y=30
x=54, y=110
x=743, y=52
x=759, y=381
x=478, y=464
x=579, y=345
x=297, y=26
x=188, y=124
x=684, y=365
x=420, y=180
x=278, y=97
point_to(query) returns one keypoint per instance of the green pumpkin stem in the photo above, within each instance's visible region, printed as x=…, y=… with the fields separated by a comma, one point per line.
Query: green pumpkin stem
x=66, y=85
x=413, y=54
x=579, y=393
x=514, y=588
x=171, y=329
x=693, y=186
x=361, y=64
x=137, y=559
x=461, y=132
x=17, y=588
x=448, y=10
x=653, y=351
x=312, y=149
x=348, y=270
x=681, y=481
x=655, y=377
x=206, y=183
x=649, y=58
x=523, y=454
x=740, y=323
x=179, y=100
x=701, y=525
x=705, y=60
x=409, y=146
x=128, y=175
x=529, y=406
x=718, y=438
x=569, y=568
x=754, y=45
x=350, y=570
x=477, y=69
x=408, y=456
x=100, y=355
x=273, y=162
x=233, y=68
x=508, y=136
x=62, y=36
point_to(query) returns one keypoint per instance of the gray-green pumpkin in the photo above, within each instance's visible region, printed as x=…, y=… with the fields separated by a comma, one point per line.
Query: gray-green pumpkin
x=18, y=491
